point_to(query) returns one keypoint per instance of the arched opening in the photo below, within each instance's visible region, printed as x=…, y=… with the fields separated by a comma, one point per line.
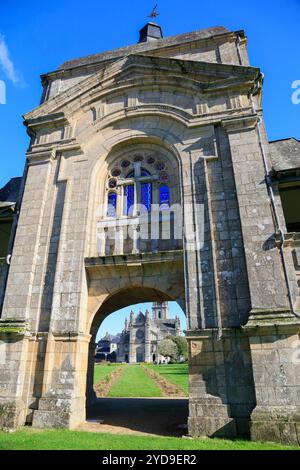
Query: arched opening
x=139, y=389
x=138, y=186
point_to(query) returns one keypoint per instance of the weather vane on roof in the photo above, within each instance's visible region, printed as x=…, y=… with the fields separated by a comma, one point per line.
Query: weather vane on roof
x=154, y=13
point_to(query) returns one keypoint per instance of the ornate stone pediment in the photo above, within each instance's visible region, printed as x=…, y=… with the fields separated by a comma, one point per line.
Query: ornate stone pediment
x=187, y=81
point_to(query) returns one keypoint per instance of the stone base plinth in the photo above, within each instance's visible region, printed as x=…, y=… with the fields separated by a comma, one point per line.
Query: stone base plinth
x=221, y=384
x=59, y=413
x=12, y=413
x=212, y=427
x=276, y=424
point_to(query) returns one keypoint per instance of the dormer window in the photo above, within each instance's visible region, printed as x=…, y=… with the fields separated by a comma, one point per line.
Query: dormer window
x=290, y=197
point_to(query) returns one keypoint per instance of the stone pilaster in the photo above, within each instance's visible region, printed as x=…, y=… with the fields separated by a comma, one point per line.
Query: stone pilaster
x=15, y=360
x=275, y=354
x=63, y=399
x=266, y=282
x=221, y=386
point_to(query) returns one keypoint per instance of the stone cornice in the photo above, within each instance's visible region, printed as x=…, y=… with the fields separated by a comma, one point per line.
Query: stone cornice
x=70, y=336
x=134, y=259
x=237, y=124
x=13, y=327
x=264, y=321
x=187, y=70
x=48, y=120
x=187, y=119
x=290, y=239
x=44, y=153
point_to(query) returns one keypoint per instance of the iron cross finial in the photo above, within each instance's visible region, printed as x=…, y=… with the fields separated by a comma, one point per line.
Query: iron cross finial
x=154, y=13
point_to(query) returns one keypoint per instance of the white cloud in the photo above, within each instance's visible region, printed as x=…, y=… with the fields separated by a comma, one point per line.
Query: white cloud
x=6, y=63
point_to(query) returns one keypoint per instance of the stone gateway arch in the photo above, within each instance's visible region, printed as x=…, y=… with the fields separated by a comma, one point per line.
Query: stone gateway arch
x=174, y=122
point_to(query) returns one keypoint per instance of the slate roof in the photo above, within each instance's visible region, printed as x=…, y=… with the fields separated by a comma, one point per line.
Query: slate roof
x=110, y=338
x=11, y=191
x=285, y=154
x=145, y=47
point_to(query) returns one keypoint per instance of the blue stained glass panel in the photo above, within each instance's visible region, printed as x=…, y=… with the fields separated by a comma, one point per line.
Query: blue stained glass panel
x=128, y=199
x=112, y=205
x=146, y=195
x=164, y=196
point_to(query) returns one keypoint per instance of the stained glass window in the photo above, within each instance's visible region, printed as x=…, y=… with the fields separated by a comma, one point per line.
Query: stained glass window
x=112, y=183
x=146, y=195
x=164, y=196
x=116, y=172
x=111, y=204
x=160, y=166
x=128, y=199
x=125, y=164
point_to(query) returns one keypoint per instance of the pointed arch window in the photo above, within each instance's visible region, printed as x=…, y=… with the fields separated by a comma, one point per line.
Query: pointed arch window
x=141, y=190
x=146, y=195
x=111, y=204
x=128, y=199
x=164, y=197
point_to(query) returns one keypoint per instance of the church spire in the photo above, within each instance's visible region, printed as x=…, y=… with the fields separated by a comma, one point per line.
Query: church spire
x=131, y=317
x=147, y=317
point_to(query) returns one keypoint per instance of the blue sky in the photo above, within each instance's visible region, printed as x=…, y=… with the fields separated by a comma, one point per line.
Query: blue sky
x=36, y=37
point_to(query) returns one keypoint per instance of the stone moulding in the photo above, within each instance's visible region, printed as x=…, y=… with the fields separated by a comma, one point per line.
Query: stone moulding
x=163, y=256
x=290, y=239
x=70, y=336
x=265, y=319
x=13, y=327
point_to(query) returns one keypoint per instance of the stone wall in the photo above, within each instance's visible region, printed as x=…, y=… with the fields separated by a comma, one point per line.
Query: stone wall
x=198, y=117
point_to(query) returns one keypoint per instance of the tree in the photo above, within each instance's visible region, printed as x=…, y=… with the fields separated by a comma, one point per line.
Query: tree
x=181, y=344
x=168, y=348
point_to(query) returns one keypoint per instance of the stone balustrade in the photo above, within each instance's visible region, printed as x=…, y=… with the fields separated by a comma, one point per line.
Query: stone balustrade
x=129, y=235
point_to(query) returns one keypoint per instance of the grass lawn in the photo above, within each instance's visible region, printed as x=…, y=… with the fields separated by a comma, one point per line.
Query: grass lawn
x=134, y=382
x=178, y=374
x=102, y=370
x=30, y=439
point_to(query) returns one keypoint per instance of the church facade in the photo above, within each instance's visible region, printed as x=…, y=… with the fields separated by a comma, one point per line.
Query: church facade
x=141, y=336
x=170, y=129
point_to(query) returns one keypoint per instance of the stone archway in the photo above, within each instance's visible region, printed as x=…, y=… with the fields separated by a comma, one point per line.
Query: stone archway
x=152, y=414
x=152, y=283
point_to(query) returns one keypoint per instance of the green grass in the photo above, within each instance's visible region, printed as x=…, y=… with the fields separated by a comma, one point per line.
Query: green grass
x=177, y=374
x=101, y=371
x=30, y=439
x=134, y=382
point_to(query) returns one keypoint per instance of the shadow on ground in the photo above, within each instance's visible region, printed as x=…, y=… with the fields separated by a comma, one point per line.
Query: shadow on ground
x=156, y=416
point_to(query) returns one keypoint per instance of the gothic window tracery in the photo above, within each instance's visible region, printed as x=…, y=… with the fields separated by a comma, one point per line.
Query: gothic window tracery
x=137, y=180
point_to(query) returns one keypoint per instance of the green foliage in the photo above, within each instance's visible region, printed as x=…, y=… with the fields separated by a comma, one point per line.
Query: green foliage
x=31, y=439
x=11, y=330
x=168, y=348
x=181, y=344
